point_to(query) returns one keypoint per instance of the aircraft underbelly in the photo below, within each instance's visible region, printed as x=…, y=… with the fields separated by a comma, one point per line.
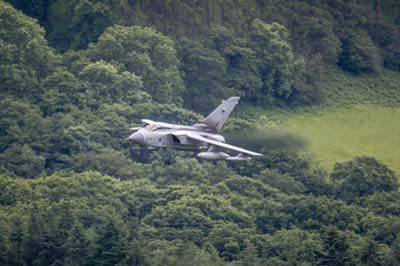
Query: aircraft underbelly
x=185, y=143
x=171, y=141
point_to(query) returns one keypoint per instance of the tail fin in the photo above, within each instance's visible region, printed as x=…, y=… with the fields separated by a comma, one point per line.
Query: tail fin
x=216, y=119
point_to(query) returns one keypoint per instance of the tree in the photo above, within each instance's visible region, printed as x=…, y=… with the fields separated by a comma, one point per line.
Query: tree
x=58, y=24
x=242, y=66
x=387, y=38
x=382, y=203
x=362, y=176
x=76, y=246
x=295, y=247
x=145, y=53
x=62, y=91
x=3, y=240
x=395, y=249
x=228, y=239
x=337, y=248
x=25, y=56
x=204, y=74
x=106, y=85
x=378, y=9
x=359, y=54
x=280, y=70
x=180, y=253
x=285, y=183
x=88, y=22
x=16, y=237
x=21, y=122
x=13, y=191
x=375, y=254
x=249, y=255
x=34, y=239
x=381, y=229
x=111, y=246
x=312, y=29
x=107, y=161
x=22, y=161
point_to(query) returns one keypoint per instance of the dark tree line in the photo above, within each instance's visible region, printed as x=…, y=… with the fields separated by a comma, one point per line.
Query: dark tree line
x=310, y=37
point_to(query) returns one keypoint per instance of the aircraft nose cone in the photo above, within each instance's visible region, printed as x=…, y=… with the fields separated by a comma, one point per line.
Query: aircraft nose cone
x=137, y=137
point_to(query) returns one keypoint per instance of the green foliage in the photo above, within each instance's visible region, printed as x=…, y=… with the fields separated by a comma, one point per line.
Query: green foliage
x=25, y=56
x=22, y=161
x=312, y=29
x=387, y=37
x=111, y=246
x=337, y=248
x=75, y=24
x=105, y=84
x=20, y=120
x=62, y=91
x=376, y=254
x=78, y=218
x=89, y=21
x=145, y=53
x=242, y=66
x=181, y=253
x=384, y=203
x=107, y=161
x=279, y=68
x=13, y=191
x=295, y=247
x=285, y=183
x=359, y=54
x=361, y=177
x=75, y=192
x=283, y=68
x=204, y=74
x=381, y=229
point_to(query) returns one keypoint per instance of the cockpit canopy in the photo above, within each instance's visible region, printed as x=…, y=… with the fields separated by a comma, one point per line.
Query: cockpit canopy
x=151, y=125
x=154, y=127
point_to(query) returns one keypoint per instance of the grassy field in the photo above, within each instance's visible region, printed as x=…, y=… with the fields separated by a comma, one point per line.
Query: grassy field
x=343, y=133
x=361, y=116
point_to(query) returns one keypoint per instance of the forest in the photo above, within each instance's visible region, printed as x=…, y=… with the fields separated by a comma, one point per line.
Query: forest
x=76, y=75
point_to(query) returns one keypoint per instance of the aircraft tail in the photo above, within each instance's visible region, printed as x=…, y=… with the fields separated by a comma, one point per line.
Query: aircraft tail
x=216, y=119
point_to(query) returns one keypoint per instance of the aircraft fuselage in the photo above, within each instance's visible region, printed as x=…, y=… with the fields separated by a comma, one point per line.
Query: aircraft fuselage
x=173, y=138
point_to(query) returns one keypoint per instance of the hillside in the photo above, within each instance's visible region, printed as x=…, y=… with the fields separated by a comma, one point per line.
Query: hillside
x=319, y=86
x=359, y=117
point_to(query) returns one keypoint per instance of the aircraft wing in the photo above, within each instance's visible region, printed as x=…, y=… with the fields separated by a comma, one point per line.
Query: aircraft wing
x=222, y=144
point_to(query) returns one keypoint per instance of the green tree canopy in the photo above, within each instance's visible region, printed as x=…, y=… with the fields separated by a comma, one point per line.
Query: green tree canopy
x=25, y=57
x=280, y=70
x=361, y=177
x=145, y=53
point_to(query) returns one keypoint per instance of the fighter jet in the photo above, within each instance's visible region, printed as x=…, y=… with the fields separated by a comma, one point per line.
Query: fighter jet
x=202, y=137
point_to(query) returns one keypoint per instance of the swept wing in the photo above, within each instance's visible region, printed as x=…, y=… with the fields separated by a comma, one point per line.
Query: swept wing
x=222, y=144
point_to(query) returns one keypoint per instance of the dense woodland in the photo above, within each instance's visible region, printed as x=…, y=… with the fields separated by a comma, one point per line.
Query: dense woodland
x=76, y=75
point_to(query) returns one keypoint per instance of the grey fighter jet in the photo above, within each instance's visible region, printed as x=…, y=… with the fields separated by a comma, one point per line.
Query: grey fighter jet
x=202, y=136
